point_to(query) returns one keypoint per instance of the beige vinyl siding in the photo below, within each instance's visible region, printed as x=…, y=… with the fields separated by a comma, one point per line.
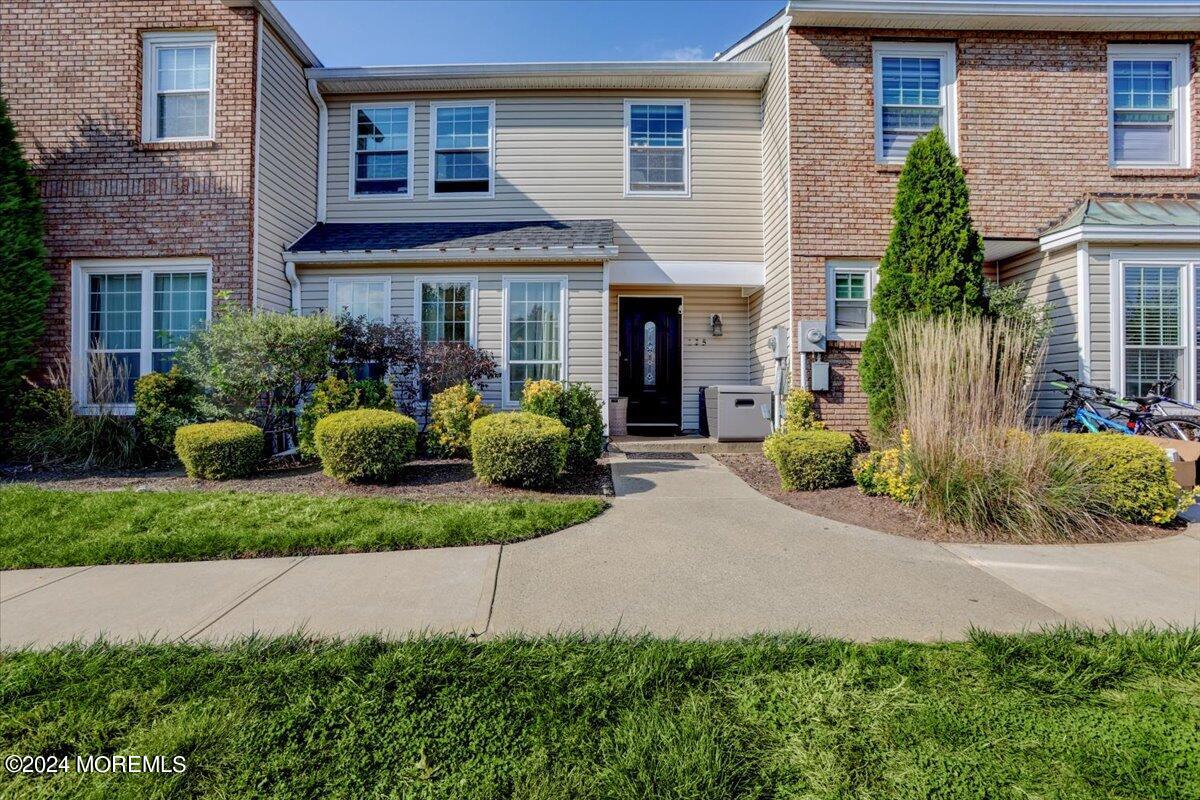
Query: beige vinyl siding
x=287, y=167
x=771, y=306
x=707, y=359
x=585, y=307
x=561, y=155
x=1051, y=278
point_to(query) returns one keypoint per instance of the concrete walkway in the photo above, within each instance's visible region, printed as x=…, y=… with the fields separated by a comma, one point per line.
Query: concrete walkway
x=687, y=549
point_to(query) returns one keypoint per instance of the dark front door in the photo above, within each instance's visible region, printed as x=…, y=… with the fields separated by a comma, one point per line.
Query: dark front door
x=651, y=364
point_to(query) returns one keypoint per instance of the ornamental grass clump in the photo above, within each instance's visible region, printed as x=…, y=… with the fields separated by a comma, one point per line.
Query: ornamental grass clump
x=964, y=397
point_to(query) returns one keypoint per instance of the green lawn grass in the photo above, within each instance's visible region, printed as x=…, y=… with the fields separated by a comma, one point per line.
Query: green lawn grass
x=1062, y=714
x=45, y=528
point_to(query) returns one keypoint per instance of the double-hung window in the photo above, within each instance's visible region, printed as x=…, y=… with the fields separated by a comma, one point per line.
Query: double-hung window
x=849, y=285
x=657, y=147
x=1148, y=105
x=1156, y=332
x=535, y=333
x=914, y=92
x=178, y=76
x=461, y=136
x=445, y=309
x=382, y=159
x=129, y=318
x=369, y=298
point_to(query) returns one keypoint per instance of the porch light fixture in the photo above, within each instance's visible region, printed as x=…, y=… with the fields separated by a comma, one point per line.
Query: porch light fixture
x=714, y=324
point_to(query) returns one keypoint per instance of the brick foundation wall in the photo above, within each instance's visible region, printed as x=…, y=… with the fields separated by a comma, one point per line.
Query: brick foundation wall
x=1033, y=139
x=71, y=73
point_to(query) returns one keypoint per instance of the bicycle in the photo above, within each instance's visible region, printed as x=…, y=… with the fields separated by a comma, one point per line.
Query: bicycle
x=1082, y=413
x=1159, y=402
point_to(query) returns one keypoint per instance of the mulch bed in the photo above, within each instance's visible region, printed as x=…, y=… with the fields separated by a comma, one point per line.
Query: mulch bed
x=884, y=514
x=426, y=480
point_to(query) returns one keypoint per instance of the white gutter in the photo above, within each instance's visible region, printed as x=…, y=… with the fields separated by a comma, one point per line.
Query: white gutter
x=258, y=64
x=559, y=254
x=548, y=69
x=1083, y=292
x=289, y=271
x=1065, y=15
x=322, y=146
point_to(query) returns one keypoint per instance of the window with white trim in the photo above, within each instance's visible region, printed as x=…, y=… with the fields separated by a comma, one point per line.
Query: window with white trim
x=1148, y=102
x=1154, y=315
x=382, y=161
x=178, y=78
x=534, y=338
x=657, y=147
x=445, y=310
x=914, y=92
x=131, y=320
x=849, y=286
x=361, y=297
x=461, y=137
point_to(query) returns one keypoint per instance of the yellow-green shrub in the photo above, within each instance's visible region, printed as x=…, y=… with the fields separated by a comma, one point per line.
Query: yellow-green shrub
x=219, y=450
x=800, y=411
x=518, y=449
x=576, y=406
x=365, y=445
x=336, y=394
x=1127, y=477
x=811, y=459
x=885, y=473
x=451, y=414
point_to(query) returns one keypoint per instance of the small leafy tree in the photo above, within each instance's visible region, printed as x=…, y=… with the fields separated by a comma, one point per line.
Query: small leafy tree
x=933, y=264
x=24, y=281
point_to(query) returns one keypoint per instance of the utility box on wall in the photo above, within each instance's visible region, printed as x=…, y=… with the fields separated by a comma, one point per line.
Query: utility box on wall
x=810, y=336
x=819, y=376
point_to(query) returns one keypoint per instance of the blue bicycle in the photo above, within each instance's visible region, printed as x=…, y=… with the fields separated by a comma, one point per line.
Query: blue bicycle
x=1091, y=408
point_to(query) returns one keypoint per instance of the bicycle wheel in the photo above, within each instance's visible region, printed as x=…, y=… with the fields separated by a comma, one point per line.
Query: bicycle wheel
x=1066, y=423
x=1183, y=428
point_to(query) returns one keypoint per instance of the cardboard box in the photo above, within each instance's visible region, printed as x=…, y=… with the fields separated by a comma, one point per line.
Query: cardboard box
x=1187, y=455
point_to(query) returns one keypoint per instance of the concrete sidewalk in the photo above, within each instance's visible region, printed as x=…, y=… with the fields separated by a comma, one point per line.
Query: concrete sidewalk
x=687, y=549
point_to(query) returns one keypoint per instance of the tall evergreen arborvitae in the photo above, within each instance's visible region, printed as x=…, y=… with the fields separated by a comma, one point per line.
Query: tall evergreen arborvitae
x=933, y=264
x=24, y=281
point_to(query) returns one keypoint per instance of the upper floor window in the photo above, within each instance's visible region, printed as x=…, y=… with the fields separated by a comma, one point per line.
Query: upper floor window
x=1148, y=105
x=849, y=286
x=382, y=159
x=657, y=147
x=461, y=136
x=914, y=91
x=178, y=76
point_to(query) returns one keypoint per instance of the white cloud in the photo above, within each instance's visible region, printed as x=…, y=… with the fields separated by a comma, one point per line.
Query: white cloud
x=695, y=53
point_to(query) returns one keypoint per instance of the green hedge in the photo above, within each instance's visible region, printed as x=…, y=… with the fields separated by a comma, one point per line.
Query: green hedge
x=219, y=450
x=811, y=459
x=518, y=449
x=1128, y=477
x=577, y=407
x=367, y=445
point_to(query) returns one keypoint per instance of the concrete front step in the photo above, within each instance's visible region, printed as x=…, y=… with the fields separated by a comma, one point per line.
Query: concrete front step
x=690, y=443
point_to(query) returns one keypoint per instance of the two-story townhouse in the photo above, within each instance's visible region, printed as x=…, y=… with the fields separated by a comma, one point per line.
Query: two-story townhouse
x=175, y=146
x=587, y=222
x=1076, y=124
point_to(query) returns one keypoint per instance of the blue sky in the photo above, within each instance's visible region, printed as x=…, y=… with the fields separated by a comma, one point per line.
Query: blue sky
x=367, y=32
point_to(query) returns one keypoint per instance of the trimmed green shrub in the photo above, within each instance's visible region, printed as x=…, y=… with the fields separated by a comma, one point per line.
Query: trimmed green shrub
x=1127, y=477
x=367, y=445
x=933, y=264
x=886, y=473
x=519, y=449
x=219, y=450
x=451, y=414
x=163, y=403
x=335, y=394
x=578, y=408
x=800, y=411
x=811, y=459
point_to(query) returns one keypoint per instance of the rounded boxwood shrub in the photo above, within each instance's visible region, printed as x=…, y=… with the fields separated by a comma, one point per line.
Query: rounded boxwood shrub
x=575, y=405
x=811, y=459
x=219, y=450
x=367, y=445
x=1127, y=477
x=518, y=449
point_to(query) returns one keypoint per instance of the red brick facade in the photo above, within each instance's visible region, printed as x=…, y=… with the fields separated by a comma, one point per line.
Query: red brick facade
x=71, y=73
x=1032, y=137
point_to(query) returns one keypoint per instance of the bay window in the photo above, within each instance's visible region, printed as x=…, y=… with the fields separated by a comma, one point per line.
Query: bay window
x=1156, y=327
x=535, y=326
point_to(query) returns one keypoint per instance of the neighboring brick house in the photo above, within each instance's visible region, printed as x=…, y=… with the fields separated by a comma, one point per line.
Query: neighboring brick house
x=142, y=122
x=1025, y=98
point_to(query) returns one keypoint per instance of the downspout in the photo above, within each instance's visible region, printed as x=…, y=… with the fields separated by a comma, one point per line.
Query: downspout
x=289, y=271
x=322, y=138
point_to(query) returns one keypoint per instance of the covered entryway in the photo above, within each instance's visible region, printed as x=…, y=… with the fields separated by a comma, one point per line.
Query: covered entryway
x=650, y=373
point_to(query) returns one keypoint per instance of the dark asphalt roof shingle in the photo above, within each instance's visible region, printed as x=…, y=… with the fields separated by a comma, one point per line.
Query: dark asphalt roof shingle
x=357, y=236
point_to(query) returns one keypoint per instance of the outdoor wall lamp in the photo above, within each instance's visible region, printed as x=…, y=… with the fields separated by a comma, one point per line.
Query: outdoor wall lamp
x=714, y=324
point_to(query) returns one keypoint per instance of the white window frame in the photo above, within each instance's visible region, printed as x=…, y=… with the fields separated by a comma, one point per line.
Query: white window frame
x=1188, y=262
x=433, y=109
x=945, y=51
x=154, y=41
x=386, y=280
x=510, y=402
x=832, y=269
x=412, y=150
x=81, y=271
x=687, y=147
x=1181, y=56
x=418, y=289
